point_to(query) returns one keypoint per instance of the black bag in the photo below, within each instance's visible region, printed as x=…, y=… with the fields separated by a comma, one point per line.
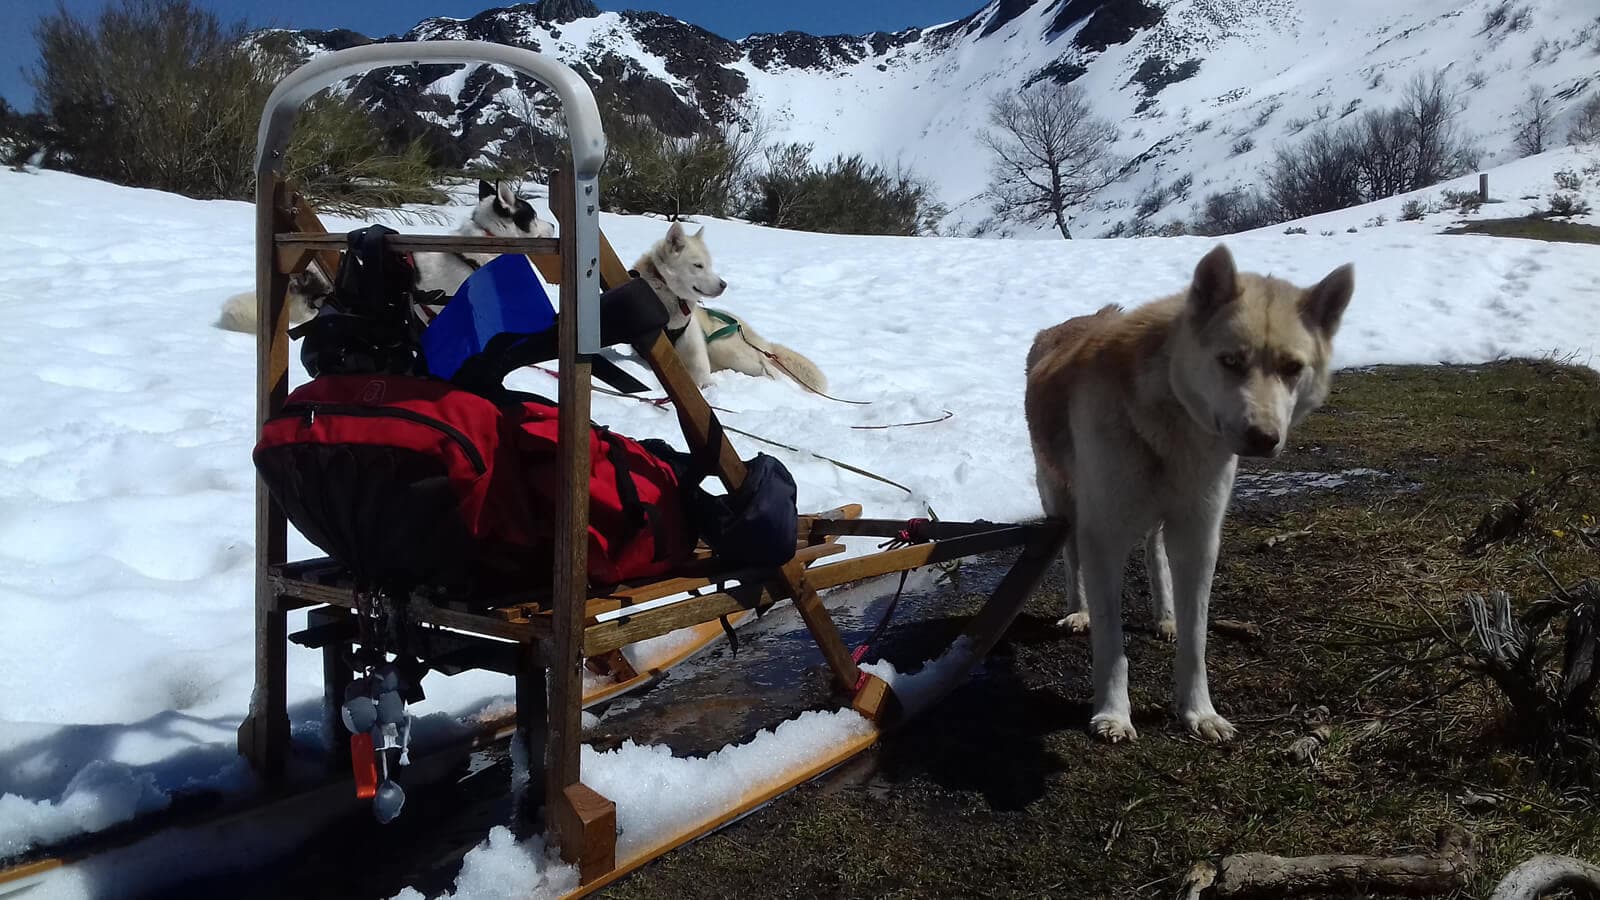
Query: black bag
x=757, y=525
x=365, y=326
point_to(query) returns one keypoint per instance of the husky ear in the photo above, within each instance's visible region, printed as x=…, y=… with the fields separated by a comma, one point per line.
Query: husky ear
x=507, y=196
x=1323, y=305
x=675, y=237
x=1216, y=283
x=701, y=232
x=485, y=189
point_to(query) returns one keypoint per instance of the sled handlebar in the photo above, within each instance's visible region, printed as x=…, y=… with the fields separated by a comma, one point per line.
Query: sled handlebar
x=577, y=100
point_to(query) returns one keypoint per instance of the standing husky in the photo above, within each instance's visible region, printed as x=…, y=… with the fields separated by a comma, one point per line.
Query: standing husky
x=678, y=268
x=1137, y=421
x=499, y=213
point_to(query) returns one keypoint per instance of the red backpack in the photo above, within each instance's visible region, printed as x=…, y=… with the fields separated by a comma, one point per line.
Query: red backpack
x=637, y=520
x=410, y=481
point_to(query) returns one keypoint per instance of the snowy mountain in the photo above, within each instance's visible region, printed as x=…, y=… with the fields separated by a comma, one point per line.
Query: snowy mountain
x=1201, y=88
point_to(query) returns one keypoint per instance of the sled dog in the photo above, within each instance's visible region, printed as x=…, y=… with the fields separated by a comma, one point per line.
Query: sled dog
x=499, y=213
x=678, y=268
x=1137, y=419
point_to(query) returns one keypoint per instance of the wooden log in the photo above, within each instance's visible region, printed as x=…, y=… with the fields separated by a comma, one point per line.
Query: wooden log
x=295, y=242
x=1263, y=875
x=617, y=633
x=1545, y=874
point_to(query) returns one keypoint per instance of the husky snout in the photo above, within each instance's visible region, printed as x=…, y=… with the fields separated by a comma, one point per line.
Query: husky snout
x=715, y=291
x=1258, y=441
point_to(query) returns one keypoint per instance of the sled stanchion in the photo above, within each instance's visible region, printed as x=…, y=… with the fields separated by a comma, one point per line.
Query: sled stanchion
x=533, y=733
x=578, y=814
x=336, y=676
x=264, y=734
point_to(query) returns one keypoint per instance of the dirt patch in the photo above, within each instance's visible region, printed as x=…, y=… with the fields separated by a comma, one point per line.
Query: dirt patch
x=1000, y=792
x=1534, y=228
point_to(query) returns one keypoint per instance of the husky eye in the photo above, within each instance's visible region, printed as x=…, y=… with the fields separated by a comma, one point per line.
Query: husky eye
x=1233, y=362
x=699, y=265
x=1291, y=368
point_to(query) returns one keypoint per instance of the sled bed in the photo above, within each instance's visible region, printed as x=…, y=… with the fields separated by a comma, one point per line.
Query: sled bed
x=545, y=634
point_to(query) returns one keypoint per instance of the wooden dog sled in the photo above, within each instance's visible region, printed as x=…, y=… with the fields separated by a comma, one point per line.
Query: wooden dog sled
x=547, y=635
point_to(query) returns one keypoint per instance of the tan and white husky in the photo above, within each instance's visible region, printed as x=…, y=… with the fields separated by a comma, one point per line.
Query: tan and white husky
x=498, y=213
x=678, y=268
x=1137, y=419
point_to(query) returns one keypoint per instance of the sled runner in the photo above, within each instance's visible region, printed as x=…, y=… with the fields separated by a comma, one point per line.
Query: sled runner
x=548, y=635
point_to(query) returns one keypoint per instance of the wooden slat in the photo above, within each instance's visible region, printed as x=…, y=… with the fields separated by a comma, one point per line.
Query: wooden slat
x=834, y=574
x=621, y=632
x=571, y=584
x=655, y=590
x=888, y=528
x=413, y=243
x=698, y=420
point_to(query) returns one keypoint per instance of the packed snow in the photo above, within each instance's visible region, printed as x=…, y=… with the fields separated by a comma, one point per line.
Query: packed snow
x=126, y=488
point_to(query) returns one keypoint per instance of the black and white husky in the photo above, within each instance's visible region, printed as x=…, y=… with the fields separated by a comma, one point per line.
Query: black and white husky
x=499, y=213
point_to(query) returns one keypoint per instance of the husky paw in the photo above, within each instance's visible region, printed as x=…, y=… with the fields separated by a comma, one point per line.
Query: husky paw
x=1167, y=630
x=1113, y=728
x=1077, y=623
x=1210, y=727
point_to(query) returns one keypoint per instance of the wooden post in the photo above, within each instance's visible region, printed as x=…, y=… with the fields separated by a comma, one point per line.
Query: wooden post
x=578, y=814
x=533, y=712
x=1483, y=186
x=264, y=735
x=336, y=676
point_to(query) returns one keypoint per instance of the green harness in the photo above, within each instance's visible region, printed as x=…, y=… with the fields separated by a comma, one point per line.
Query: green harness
x=730, y=325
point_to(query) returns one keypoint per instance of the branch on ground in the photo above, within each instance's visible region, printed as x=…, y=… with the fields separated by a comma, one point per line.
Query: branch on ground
x=1263, y=875
x=1545, y=873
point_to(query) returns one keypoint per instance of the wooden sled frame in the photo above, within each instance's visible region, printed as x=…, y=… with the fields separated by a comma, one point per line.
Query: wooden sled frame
x=545, y=636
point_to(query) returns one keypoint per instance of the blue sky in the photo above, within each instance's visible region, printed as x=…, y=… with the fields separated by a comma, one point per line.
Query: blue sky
x=729, y=18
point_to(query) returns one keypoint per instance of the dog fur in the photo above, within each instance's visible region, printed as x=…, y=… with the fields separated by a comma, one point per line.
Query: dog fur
x=679, y=269
x=498, y=213
x=1137, y=419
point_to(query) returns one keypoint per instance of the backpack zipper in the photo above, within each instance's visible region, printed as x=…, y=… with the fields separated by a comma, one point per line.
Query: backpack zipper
x=310, y=411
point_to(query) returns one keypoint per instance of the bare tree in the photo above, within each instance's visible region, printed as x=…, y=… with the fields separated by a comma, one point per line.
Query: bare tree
x=1050, y=153
x=1533, y=122
x=1433, y=107
x=1585, y=127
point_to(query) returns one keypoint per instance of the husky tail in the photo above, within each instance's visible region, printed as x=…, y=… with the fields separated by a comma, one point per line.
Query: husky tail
x=798, y=367
x=239, y=313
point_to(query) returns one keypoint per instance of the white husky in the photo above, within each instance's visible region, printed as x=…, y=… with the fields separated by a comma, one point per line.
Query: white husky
x=678, y=268
x=499, y=213
x=1137, y=421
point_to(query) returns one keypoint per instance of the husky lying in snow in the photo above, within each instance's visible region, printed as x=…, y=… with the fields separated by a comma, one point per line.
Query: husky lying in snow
x=678, y=268
x=1137, y=419
x=499, y=213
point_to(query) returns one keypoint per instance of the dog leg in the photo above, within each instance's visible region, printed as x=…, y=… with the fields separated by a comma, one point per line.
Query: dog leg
x=1077, y=618
x=1103, y=555
x=1156, y=566
x=691, y=347
x=1192, y=539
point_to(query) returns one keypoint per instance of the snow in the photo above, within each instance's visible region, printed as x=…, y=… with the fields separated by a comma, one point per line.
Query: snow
x=126, y=488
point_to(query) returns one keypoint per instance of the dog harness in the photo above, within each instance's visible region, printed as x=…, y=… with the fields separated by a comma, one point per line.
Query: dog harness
x=683, y=307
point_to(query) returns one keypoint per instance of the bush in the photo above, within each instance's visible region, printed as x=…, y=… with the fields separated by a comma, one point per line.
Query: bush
x=1585, y=128
x=1568, y=180
x=1466, y=201
x=648, y=171
x=161, y=94
x=1413, y=210
x=1381, y=154
x=1568, y=205
x=1234, y=211
x=1295, y=229
x=1242, y=146
x=846, y=196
